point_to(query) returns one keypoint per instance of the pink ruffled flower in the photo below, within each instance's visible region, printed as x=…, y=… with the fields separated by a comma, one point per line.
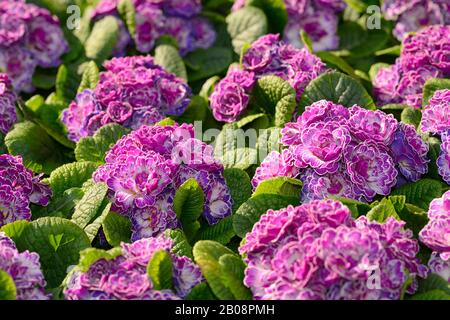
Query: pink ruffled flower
x=436, y=115
x=443, y=161
x=8, y=115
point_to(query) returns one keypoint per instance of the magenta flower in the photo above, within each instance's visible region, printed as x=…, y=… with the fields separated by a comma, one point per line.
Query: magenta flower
x=133, y=91
x=144, y=169
x=443, y=161
x=436, y=115
x=439, y=266
x=435, y=234
x=29, y=37
x=411, y=16
x=179, y=19
x=19, y=188
x=346, y=152
x=425, y=55
x=125, y=277
x=317, y=251
x=24, y=268
x=8, y=115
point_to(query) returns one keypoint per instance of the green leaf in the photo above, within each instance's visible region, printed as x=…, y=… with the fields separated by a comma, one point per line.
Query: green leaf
x=188, y=204
x=221, y=232
x=14, y=229
x=43, y=79
x=43, y=235
x=394, y=50
x=239, y=184
x=90, y=77
x=95, y=148
x=117, y=229
x=93, y=228
x=433, y=154
x=39, y=151
x=240, y=158
x=208, y=87
x=280, y=186
x=306, y=40
x=71, y=175
x=356, y=207
x=205, y=63
x=67, y=83
x=431, y=86
x=201, y=292
x=127, y=12
x=431, y=295
x=382, y=211
x=7, y=286
x=338, y=88
x=46, y=115
x=222, y=269
x=180, y=246
x=86, y=210
x=420, y=193
x=395, y=109
x=250, y=211
x=275, y=9
x=245, y=26
x=268, y=141
x=433, y=282
x=102, y=40
x=416, y=218
x=159, y=269
x=336, y=61
x=411, y=116
x=277, y=97
x=168, y=57
x=196, y=111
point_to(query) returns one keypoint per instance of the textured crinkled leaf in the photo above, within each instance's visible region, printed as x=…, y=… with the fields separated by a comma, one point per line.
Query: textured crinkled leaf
x=356, y=207
x=91, y=255
x=93, y=228
x=188, y=204
x=250, y=211
x=117, y=228
x=420, y=193
x=58, y=242
x=159, y=269
x=338, y=88
x=239, y=184
x=205, y=63
x=39, y=151
x=90, y=77
x=127, y=12
x=180, y=245
x=15, y=229
x=47, y=116
x=7, y=287
x=431, y=86
x=240, y=158
x=201, y=291
x=277, y=97
x=280, y=185
x=245, y=26
x=71, y=175
x=168, y=57
x=95, y=148
x=433, y=282
x=431, y=295
x=208, y=87
x=411, y=116
x=222, y=269
x=382, y=211
x=221, y=232
x=88, y=207
x=67, y=82
x=433, y=154
x=102, y=40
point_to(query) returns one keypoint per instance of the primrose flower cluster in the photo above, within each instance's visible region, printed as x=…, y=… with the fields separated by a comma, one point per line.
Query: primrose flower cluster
x=19, y=188
x=144, y=169
x=133, y=91
x=8, y=115
x=29, y=37
x=267, y=56
x=24, y=269
x=412, y=15
x=436, y=120
x=436, y=235
x=317, y=251
x=125, y=276
x=424, y=55
x=318, y=18
x=177, y=18
x=348, y=152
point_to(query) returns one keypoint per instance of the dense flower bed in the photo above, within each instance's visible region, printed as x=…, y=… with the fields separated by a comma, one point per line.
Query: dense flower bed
x=318, y=251
x=30, y=36
x=144, y=169
x=267, y=56
x=179, y=19
x=8, y=115
x=133, y=91
x=353, y=153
